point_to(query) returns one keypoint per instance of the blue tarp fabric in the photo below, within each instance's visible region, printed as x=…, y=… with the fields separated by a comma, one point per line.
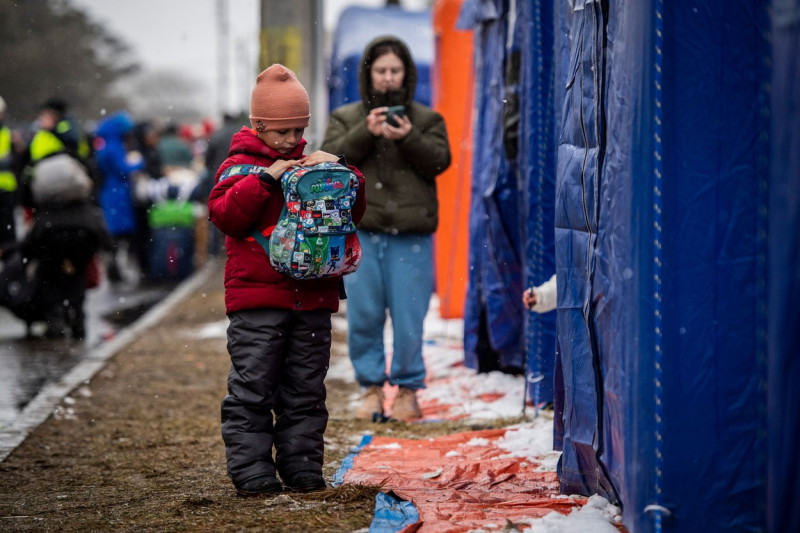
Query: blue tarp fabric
x=513, y=179
x=784, y=273
x=347, y=463
x=493, y=313
x=392, y=514
x=715, y=166
x=581, y=148
x=357, y=27
x=537, y=167
x=660, y=258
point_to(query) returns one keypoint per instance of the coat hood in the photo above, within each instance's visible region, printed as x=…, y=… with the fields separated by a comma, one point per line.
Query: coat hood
x=115, y=126
x=403, y=96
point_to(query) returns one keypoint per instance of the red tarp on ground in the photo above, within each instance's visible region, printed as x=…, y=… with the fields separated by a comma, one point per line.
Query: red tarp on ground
x=460, y=482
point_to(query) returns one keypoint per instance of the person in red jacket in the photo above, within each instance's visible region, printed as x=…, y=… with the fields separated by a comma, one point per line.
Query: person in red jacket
x=279, y=336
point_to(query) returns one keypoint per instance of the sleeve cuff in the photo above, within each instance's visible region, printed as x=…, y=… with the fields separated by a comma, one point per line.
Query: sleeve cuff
x=266, y=178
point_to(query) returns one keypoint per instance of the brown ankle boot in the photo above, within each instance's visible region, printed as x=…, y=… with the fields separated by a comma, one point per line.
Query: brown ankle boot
x=405, y=405
x=371, y=406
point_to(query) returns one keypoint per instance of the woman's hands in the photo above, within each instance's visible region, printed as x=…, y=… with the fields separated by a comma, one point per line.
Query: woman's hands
x=377, y=125
x=375, y=120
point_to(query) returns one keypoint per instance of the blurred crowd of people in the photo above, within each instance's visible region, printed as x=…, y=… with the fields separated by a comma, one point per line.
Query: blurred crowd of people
x=124, y=200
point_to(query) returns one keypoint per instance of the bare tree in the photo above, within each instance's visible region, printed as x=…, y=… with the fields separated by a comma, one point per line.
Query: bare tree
x=50, y=48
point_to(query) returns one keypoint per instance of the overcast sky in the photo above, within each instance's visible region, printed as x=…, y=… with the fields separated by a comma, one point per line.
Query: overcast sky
x=181, y=35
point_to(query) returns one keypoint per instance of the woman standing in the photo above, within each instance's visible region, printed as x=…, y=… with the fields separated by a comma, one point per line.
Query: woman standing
x=400, y=156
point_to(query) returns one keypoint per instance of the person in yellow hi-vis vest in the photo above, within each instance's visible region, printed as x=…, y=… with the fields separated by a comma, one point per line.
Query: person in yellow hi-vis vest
x=8, y=181
x=57, y=133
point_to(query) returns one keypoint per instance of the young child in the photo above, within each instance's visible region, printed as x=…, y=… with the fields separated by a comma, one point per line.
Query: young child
x=279, y=336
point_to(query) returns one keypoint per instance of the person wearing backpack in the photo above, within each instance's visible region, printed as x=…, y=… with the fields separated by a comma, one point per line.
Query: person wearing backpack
x=68, y=230
x=279, y=336
x=400, y=162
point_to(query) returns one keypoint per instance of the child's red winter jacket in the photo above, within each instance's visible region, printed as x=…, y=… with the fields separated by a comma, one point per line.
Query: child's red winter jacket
x=238, y=204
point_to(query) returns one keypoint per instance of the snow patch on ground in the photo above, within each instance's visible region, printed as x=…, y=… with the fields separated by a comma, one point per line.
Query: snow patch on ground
x=597, y=516
x=213, y=330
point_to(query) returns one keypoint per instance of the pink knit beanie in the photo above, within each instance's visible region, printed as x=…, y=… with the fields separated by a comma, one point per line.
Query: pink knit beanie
x=279, y=101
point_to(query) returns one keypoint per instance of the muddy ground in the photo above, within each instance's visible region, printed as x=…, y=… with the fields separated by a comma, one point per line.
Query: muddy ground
x=138, y=448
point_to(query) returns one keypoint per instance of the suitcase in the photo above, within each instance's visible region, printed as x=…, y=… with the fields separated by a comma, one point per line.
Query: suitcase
x=171, y=253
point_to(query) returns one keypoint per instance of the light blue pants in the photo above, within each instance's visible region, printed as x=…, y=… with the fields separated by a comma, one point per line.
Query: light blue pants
x=396, y=273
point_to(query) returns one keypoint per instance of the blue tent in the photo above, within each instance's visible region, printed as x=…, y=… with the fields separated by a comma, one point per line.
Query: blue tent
x=357, y=27
x=660, y=255
x=493, y=314
x=676, y=210
x=511, y=234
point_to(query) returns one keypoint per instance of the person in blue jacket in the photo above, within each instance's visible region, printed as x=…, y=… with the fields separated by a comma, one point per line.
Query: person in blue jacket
x=115, y=196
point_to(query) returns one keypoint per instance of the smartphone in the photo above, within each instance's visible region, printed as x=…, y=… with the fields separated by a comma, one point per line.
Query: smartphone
x=395, y=111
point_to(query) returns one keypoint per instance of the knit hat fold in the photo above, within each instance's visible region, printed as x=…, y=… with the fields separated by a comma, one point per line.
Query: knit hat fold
x=279, y=101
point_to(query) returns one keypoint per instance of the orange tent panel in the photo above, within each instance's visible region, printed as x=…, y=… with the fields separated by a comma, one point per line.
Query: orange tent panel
x=453, y=82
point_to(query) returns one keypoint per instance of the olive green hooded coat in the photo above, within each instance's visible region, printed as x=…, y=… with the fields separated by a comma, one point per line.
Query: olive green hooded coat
x=400, y=175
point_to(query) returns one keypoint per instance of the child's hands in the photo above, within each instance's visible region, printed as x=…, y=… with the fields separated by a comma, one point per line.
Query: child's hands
x=316, y=158
x=280, y=166
x=529, y=298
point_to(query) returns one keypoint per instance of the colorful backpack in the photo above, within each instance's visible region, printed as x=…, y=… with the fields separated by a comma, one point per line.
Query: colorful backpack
x=315, y=236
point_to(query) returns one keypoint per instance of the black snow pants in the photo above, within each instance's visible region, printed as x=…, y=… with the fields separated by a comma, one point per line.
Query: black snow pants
x=276, y=392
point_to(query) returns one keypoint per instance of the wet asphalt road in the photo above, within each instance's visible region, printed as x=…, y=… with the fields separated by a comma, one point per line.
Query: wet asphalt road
x=29, y=364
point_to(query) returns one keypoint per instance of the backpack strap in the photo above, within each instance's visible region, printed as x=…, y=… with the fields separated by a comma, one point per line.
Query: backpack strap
x=241, y=170
x=244, y=170
x=261, y=239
